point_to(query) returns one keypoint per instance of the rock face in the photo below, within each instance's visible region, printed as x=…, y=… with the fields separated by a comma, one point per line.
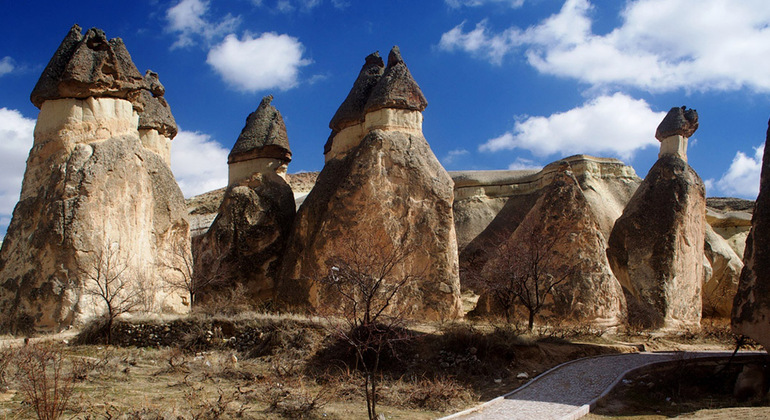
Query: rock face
x=243, y=246
x=656, y=247
x=731, y=219
x=567, y=229
x=90, y=188
x=751, y=308
x=380, y=180
x=722, y=269
x=489, y=205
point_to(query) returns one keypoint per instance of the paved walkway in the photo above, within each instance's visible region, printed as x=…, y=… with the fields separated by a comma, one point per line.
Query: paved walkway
x=569, y=390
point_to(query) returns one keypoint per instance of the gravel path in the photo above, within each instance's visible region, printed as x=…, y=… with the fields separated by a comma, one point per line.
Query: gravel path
x=568, y=390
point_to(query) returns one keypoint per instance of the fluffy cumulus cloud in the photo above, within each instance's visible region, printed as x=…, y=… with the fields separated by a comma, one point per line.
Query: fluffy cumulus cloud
x=189, y=20
x=480, y=42
x=198, y=162
x=660, y=45
x=455, y=4
x=741, y=178
x=6, y=65
x=251, y=64
x=16, y=134
x=616, y=125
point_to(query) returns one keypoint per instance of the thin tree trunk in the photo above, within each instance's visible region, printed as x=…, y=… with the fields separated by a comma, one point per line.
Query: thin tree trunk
x=531, y=323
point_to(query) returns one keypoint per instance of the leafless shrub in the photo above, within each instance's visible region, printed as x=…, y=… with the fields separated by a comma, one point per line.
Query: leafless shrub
x=293, y=399
x=44, y=381
x=526, y=270
x=365, y=279
x=436, y=394
x=109, y=281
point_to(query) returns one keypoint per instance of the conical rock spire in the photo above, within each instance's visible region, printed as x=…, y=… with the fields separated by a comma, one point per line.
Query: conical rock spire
x=396, y=88
x=351, y=111
x=263, y=136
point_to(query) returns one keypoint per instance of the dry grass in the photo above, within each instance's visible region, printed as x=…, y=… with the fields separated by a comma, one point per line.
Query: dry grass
x=262, y=366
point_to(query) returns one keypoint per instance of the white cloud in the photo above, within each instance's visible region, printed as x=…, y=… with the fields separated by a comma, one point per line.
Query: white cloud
x=479, y=43
x=452, y=156
x=617, y=125
x=253, y=64
x=742, y=177
x=188, y=19
x=454, y=4
x=6, y=65
x=524, y=164
x=661, y=45
x=198, y=162
x=16, y=134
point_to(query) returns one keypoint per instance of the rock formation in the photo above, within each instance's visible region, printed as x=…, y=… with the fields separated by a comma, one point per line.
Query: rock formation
x=656, y=247
x=677, y=126
x=381, y=181
x=91, y=189
x=157, y=126
x=243, y=246
x=751, y=308
x=563, y=230
x=489, y=205
x=731, y=219
x=722, y=269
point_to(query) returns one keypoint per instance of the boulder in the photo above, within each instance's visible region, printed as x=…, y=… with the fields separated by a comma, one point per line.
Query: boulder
x=388, y=186
x=751, y=307
x=562, y=236
x=90, y=190
x=243, y=247
x=656, y=247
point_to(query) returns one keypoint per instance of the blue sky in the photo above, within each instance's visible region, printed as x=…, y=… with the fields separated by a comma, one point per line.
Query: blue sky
x=510, y=83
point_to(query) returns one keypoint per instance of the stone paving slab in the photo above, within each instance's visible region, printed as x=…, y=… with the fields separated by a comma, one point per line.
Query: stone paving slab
x=569, y=390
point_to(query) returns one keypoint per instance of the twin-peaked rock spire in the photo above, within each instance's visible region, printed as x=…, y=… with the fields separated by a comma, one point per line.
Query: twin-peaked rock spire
x=381, y=193
x=381, y=98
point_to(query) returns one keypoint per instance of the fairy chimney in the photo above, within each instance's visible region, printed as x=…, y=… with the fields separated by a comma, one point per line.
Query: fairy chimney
x=263, y=145
x=679, y=124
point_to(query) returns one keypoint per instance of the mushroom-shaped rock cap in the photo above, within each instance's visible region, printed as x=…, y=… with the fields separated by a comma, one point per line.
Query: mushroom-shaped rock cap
x=679, y=121
x=88, y=65
x=264, y=136
x=351, y=111
x=156, y=114
x=396, y=88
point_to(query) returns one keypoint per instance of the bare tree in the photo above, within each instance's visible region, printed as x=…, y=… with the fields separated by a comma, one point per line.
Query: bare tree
x=364, y=282
x=525, y=268
x=110, y=282
x=179, y=258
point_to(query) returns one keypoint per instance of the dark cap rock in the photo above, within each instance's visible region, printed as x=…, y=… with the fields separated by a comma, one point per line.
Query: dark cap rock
x=264, y=136
x=679, y=121
x=156, y=114
x=88, y=66
x=396, y=88
x=351, y=111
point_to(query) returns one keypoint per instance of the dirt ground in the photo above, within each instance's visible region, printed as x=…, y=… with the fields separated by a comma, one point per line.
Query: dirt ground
x=293, y=369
